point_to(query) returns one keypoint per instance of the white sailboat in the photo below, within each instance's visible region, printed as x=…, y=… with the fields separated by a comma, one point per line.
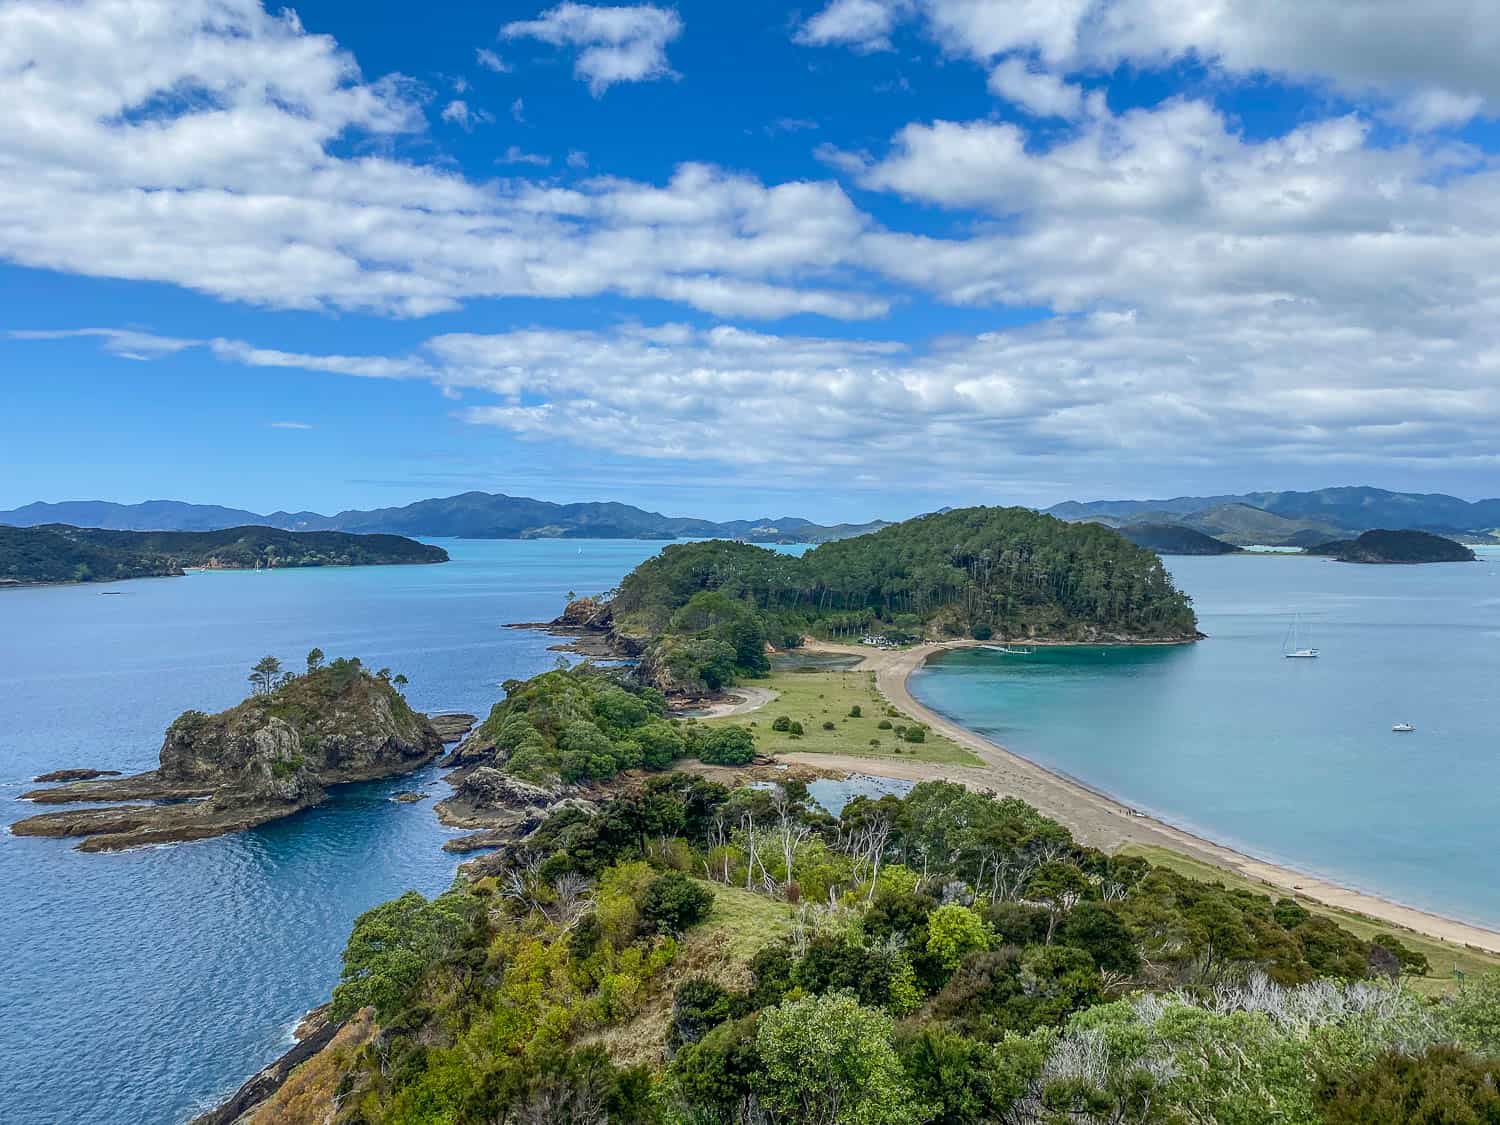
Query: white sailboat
x=1296, y=650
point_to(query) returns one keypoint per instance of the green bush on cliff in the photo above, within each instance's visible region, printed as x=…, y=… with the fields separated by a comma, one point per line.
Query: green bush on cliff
x=394, y=944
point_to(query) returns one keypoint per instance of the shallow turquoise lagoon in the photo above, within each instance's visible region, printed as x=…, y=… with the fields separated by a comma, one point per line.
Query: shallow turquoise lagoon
x=1290, y=760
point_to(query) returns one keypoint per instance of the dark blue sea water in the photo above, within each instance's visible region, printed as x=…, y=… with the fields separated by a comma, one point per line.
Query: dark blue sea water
x=1290, y=760
x=138, y=986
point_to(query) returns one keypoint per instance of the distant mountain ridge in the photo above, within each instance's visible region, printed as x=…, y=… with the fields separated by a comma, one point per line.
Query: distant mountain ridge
x=469, y=515
x=1296, y=518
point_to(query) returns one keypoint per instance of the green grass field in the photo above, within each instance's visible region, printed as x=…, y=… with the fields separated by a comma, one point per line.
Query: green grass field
x=745, y=921
x=1444, y=956
x=813, y=698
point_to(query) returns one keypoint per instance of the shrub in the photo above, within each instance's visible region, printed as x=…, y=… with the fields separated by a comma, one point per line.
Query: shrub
x=698, y=1007
x=854, y=712
x=795, y=730
x=674, y=902
x=826, y=1059
x=713, y=1076
x=1443, y=1085
x=782, y=723
x=953, y=932
x=1411, y=961
x=916, y=734
x=726, y=746
x=828, y=726
x=884, y=724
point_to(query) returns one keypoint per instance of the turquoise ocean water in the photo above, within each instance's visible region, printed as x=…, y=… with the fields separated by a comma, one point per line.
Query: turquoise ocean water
x=142, y=985
x=1290, y=760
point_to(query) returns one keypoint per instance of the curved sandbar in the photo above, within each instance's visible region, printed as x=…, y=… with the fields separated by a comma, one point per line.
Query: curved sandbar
x=1094, y=817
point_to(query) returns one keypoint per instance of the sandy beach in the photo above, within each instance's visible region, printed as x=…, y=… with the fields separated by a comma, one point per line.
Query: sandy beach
x=1093, y=817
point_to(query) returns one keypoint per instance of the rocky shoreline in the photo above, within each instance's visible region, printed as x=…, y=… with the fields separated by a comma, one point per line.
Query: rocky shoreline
x=270, y=757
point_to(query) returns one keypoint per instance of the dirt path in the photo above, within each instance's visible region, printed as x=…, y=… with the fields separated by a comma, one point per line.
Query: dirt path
x=742, y=700
x=1093, y=817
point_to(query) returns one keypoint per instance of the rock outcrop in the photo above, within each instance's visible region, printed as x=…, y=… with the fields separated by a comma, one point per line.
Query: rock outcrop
x=73, y=775
x=269, y=757
x=503, y=808
x=451, y=726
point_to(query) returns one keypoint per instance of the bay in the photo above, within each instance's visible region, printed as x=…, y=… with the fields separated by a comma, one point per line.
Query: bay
x=141, y=986
x=1289, y=760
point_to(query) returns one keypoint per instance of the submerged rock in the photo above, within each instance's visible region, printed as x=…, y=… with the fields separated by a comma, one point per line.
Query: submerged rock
x=269, y=757
x=74, y=775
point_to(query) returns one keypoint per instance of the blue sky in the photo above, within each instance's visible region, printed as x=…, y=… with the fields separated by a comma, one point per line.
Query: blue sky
x=847, y=259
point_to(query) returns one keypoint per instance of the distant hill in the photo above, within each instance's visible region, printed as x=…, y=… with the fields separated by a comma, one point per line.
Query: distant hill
x=153, y=515
x=1382, y=546
x=60, y=553
x=1175, y=539
x=470, y=515
x=1340, y=510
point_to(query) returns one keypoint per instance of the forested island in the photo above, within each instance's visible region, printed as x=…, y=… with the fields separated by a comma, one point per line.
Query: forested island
x=1395, y=547
x=269, y=757
x=62, y=553
x=1175, y=539
x=699, y=953
x=701, y=614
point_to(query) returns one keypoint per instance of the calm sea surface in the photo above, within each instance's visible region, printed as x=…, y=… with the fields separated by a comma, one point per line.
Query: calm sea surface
x=1290, y=760
x=141, y=985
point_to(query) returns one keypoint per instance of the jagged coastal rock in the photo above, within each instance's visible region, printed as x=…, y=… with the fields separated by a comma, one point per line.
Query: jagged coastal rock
x=73, y=775
x=266, y=758
x=451, y=726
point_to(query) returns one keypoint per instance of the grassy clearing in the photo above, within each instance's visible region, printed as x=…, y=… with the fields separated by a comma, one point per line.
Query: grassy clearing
x=743, y=921
x=1444, y=956
x=814, y=698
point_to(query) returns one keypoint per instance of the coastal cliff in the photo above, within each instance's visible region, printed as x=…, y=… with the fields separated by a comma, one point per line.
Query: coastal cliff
x=269, y=757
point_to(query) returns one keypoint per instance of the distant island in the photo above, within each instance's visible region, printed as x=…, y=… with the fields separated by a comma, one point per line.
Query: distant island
x=1299, y=519
x=61, y=553
x=1174, y=539
x=1380, y=546
x=1277, y=519
x=470, y=515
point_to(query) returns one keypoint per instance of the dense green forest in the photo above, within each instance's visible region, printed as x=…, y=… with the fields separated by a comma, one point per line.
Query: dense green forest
x=587, y=723
x=52, y=554
x=691, y=954
x=1395, y=547
x=60, y=553
x=703, y=612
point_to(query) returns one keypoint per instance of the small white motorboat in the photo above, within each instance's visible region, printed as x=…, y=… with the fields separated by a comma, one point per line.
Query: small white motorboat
x=1402, y=728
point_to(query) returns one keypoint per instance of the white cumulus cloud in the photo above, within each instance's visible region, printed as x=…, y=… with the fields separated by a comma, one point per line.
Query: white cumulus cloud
x=616, y=44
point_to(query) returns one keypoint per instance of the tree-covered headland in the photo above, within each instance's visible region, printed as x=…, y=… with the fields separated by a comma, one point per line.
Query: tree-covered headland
x=702, y=613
